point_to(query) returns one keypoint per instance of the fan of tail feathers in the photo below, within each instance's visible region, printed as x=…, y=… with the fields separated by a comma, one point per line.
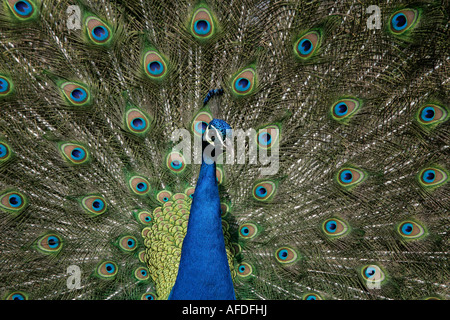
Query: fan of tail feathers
x=347, y=101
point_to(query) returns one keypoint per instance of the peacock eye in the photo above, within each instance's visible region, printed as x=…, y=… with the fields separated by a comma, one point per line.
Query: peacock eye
x=107, y=269
x=286, y=255
x=335, y=227
x=348, y=177
x=148, y=296
x=372, y=273
x=432, y=177
x=5, y=151
x=244, y=270
x=13, y=201
x=432, y=114
x=248, y=230
x=94, y=205
x=128, y=243
x=5, y=86
x=307, y=44
x=201, y=126
x=139, y=185
x=268, y=136
x=76, y=94
x=22, y=9
x=144, y=217
x=164, y=196
x=136, y=121
x=98, y=31
x=175, y=162
x=190, y=192
x=50, y=243
x=343, y=109
x=312, y=296
x=403, y=20
x=155, y=66
x=141, y=273
x=74, y=153
x=201, y=122
x=410, y=230
x=202, y=25
x=138, y=124
x=244, y=82
x=265, y=138
x=264, y=191
x=17, y=295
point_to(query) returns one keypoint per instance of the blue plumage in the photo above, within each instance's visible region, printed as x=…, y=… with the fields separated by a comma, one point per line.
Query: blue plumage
x=204, y=272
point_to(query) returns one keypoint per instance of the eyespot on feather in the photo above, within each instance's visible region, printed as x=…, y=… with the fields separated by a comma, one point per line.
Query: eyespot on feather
x=50, y=243
x=128, y=243
x=5, y=152
x=244, y=82
x=244, y=270
x=430, y=115
x=98, y=31
x=248, y=230
x=343, y=109
x=136, y=121
x=175, y=162
x=148, y=296
x=155, y=66
x=6, y=86
x=432, y=177
x=200, y=123
x=144, y=217
x=373, y=273
x=202, y=24
x=349, y=177
x=23, y=10
x=107, y=270
x=190, y=192
x=142, y=274
x=164, y=196
x=74, y=153
x=312, y=296
x=335, y=227
x=139, y=185
x=13, y=202
x=76, y=94
x=286, y=255
x=17, y=295
x=307, y=44
x=264, y=191
x=403, y=20
x=410, y=230
x=94, y=205
x=268, y=137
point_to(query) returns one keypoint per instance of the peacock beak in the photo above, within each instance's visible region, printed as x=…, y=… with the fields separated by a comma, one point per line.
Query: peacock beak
x=214, y=137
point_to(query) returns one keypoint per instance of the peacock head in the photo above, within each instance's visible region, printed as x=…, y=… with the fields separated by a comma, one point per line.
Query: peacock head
x=216, y=139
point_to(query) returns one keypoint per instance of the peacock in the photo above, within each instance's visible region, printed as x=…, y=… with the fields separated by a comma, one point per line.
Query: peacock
x=203, y=149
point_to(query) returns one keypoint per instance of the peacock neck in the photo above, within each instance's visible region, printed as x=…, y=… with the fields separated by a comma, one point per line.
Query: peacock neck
x=204, y=271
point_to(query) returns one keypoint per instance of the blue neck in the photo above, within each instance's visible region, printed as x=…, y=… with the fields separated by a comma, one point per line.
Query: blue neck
x=204, y=273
